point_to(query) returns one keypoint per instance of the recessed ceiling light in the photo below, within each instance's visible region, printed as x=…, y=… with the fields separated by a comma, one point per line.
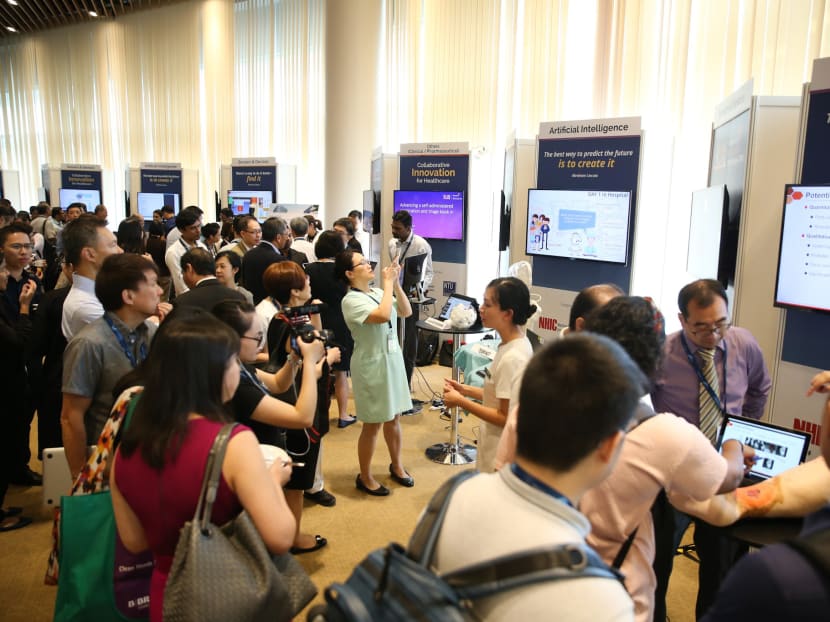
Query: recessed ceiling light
x=93, y=14
x=11, y=28
x=12, y=2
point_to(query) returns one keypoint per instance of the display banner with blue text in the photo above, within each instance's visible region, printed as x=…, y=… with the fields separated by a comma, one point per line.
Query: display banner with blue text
x=160, y=177
x=258, y=174
x=81, y=177
x=597, y=163
x=804, y=331
x=438, y=167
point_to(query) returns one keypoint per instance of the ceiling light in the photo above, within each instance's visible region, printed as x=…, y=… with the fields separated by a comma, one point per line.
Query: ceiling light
x=93, y=14
x=12, y=2
x=11, y=28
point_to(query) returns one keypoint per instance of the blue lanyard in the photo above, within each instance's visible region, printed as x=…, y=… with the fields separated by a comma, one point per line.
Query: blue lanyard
x=142, y=350
x=253, y=379
x=533, y=482
x=694, y=363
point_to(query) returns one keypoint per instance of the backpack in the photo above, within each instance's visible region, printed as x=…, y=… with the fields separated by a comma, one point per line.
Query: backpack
x=394, y=584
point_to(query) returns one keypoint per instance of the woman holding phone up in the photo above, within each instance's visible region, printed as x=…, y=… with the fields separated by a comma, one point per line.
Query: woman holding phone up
x=381, y=391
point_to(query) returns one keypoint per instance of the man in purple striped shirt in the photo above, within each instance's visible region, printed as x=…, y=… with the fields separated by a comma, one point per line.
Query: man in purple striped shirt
x=742, y=388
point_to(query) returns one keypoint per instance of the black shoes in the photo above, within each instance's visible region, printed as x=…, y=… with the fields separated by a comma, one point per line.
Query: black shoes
x=403, y=481
x=321, y=497
x=345, y=423
x=380, y=491
x=26, y=477
x=319, y=543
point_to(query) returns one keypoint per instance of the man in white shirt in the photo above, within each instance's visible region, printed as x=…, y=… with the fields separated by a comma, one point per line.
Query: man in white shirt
x=299, y=229
x=404, y=244
x=362, y=236
x=87, y=242
x=541, y=490
x=189, y=224
x=174, y=233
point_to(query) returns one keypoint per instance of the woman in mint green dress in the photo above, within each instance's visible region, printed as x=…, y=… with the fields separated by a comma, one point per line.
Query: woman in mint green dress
x=381, y=391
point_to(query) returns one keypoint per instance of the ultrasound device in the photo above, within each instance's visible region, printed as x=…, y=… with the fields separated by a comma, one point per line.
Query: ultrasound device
x=442, y=321
x=777, y=448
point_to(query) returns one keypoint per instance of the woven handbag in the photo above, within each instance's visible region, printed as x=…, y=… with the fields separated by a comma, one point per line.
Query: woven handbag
x=226, y=573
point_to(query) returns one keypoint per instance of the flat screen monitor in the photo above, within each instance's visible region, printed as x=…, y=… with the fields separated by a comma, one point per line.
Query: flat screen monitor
x=579, y=224
x=254, y=202
x=435, y=214
x=371, y=211
x=412, y=269
x=90, y=198
x=803, y=280
x=148, y=202
x=707, y=225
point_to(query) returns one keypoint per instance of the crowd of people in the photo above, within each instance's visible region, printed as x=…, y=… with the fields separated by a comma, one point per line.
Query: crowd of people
x=586, y=442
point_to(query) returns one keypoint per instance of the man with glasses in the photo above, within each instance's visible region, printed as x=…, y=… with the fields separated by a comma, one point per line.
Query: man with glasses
x=710, y=369
x=248, y=235
x=189, y=224
x=274, y=234
x=198, y=271
x=16, y=246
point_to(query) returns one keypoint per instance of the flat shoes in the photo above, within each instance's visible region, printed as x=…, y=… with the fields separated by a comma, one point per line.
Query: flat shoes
x=403, y=481
x=380, y=491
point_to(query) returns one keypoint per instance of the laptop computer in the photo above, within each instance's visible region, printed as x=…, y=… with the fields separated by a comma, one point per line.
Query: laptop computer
x=776, y=448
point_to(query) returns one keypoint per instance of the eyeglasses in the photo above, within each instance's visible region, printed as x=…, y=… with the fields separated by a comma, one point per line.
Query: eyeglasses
x=705, y=331
x=17, y=247
x=254, y=232
x=257, y=338
x=361, y=263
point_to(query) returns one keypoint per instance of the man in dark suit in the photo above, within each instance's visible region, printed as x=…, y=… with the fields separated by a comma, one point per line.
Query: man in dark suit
x=198, y=272
x=275, y=232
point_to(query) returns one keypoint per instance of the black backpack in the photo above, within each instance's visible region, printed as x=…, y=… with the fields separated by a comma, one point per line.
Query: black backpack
x=815, y=547
x=394, y=584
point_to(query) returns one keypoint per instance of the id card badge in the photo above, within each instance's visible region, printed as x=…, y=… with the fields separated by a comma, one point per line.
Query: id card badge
x=391, y=343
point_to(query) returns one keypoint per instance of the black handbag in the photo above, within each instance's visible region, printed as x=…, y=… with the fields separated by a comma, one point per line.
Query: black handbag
x=226, y=573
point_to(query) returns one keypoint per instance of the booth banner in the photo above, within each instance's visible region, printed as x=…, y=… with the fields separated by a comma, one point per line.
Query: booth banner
x=254, y=174
x=802, y=327
x=602, y=155
x=434, y=166
x=161, y=179
x=81, y=177
x=438, y=167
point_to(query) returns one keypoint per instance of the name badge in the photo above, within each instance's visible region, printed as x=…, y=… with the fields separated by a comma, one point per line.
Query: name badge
x=392, y=343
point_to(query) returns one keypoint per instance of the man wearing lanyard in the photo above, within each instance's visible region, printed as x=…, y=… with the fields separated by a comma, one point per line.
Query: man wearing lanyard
x=405, y=243
x=561, y=454
x=710, y=368
x=106, y=349
x=189, y=223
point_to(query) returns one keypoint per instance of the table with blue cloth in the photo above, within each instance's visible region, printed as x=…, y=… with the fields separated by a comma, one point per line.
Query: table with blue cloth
x=470, y=360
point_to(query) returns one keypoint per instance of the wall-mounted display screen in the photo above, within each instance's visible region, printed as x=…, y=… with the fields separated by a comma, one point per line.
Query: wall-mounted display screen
x=254, y=202
x=579, y=224
x=438, y=215
x=707, y=227
x=803, y=280
x=90, y=198
x=371, y=211
x=148, y=202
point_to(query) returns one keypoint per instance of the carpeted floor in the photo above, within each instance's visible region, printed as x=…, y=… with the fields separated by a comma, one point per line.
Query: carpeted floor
x=355, y=526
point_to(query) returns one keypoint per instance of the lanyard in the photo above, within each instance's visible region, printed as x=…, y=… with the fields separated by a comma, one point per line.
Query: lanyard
x=142, y=349
x=406, y=250
x=533, y=482
x=253, y=379
x=709, y=389
x=372, y=298
x=184, y=246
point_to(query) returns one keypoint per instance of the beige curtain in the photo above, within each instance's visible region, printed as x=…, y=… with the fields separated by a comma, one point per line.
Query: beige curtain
x=279, y=87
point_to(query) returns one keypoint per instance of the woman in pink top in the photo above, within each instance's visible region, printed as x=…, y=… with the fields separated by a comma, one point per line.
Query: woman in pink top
x=661, y=452
x=158, y=468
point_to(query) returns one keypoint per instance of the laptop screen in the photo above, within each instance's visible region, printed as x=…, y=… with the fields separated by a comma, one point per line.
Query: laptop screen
x=776, y=448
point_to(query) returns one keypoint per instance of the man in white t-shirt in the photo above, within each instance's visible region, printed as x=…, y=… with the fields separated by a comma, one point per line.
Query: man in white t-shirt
x=530, y=504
